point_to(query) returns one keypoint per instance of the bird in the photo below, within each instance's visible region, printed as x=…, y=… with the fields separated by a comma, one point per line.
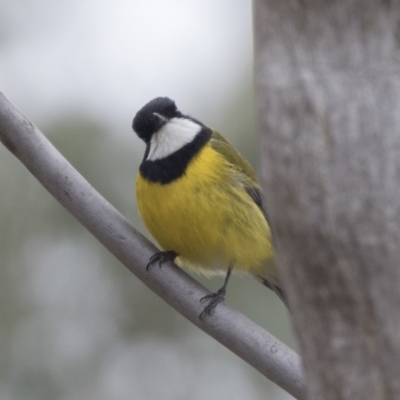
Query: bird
x=201, y=200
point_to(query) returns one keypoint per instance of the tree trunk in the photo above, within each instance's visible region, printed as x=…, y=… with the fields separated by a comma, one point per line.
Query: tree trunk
x=328, y=108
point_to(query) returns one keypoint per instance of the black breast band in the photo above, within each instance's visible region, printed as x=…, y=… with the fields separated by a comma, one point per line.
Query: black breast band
x=172, y=167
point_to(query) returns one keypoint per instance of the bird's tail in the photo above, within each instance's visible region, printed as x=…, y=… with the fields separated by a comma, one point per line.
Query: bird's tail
x=276, y=287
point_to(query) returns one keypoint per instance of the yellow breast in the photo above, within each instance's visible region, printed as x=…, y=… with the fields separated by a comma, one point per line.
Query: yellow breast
x=206, y=217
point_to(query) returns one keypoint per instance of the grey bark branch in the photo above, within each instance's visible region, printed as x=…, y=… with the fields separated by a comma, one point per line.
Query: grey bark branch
x=242, y=336
x=328, y=95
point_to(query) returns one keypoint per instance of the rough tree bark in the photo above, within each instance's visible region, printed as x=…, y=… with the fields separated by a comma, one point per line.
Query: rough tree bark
x=328, y=95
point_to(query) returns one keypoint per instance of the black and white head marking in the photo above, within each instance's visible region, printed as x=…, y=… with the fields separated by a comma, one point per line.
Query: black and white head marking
x=164, y=128
x=172, y=139
x=172, y=136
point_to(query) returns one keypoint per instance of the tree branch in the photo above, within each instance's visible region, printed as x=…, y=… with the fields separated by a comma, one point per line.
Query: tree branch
x=239, y=334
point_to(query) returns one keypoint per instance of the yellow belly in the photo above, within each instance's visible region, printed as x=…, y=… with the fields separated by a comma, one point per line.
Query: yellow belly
x=207, y=218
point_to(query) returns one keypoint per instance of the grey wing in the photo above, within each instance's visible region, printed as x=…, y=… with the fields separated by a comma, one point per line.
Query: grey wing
x=249, y=179
x=258, y=197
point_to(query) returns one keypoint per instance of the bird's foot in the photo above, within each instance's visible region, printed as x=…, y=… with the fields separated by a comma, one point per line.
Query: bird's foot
x=213, y=300
x=161, y=257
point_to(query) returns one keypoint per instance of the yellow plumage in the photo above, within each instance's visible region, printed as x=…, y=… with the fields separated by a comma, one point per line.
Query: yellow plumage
x=207, y=217
x=201, y=200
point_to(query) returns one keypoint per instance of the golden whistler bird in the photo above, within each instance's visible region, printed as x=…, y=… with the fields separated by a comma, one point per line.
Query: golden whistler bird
x=201, y=200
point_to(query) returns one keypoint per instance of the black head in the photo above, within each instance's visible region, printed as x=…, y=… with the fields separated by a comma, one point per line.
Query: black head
x=151, y=117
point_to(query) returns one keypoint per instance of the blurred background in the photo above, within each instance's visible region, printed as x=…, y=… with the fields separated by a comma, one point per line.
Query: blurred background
x=74, y=323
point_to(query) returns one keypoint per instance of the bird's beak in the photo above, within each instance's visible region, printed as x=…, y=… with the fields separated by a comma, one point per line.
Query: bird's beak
x=162, y=119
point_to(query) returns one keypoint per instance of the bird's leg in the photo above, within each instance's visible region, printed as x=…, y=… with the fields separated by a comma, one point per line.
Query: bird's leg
x=215, y=298
x=161, y=257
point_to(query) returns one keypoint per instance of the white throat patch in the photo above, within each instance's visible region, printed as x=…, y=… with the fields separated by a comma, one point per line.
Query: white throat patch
x=172, y=137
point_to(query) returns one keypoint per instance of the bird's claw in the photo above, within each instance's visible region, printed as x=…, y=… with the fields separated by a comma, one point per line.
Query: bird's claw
x=213, y=300
x=161, y=257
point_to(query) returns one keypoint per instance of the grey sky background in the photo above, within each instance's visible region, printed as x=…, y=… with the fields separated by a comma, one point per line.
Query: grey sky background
x=74, y=324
